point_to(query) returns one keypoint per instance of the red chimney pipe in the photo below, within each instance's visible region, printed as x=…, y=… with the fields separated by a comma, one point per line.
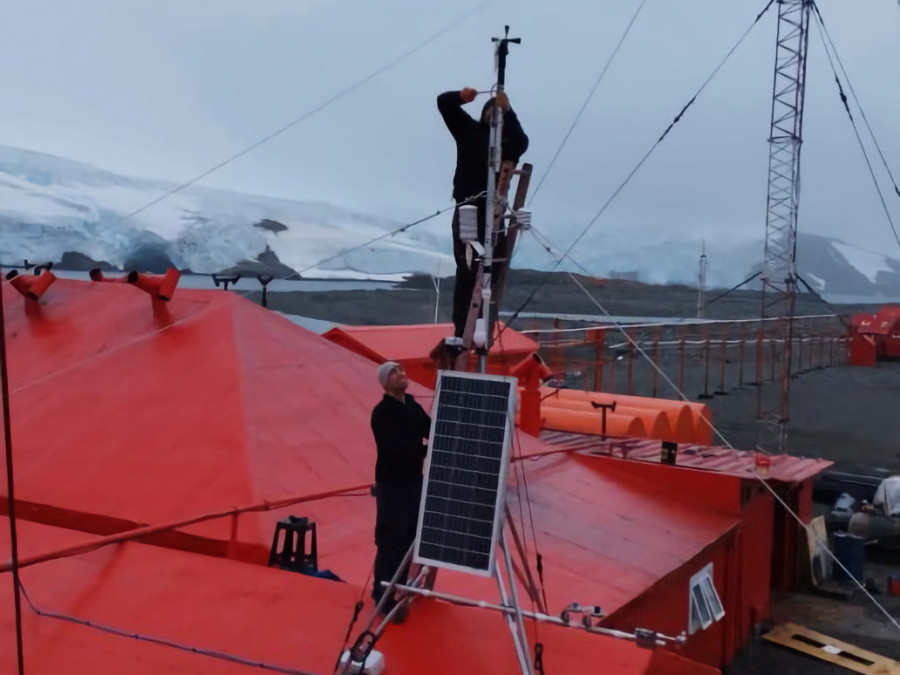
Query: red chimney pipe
x=161, y=287
x=531, y=371
x=32, y=287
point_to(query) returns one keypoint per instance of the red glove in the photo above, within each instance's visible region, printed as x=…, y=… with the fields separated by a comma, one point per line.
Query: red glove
x=468, y=94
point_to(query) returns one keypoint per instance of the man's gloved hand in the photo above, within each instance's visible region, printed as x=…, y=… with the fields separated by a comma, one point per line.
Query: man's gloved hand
x=468, y=94
x=503, y=101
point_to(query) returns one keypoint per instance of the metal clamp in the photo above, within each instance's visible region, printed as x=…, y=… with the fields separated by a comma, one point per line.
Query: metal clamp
x=588, y=613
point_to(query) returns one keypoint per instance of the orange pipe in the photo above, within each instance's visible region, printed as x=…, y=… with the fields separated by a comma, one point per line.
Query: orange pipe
x=656, y=422
x=31, y=286
x=698, y=411
x=684, y=419
x=575, y=421
x=160, y=287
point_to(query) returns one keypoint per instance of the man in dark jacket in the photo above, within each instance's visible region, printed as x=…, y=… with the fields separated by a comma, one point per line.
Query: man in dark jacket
x=401, y=428
x=472, y=140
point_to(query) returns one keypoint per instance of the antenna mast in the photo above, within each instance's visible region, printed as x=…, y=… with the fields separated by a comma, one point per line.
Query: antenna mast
x=779, y=273
x=701, y=282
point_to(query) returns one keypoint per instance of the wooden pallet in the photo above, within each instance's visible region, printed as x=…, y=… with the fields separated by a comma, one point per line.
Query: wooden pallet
x=831, y=650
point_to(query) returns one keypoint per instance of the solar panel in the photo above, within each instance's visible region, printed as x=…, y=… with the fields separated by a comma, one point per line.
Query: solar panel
x=465, y=472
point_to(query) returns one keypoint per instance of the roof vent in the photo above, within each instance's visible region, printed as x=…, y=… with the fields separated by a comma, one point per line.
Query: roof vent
x=32, y=286
x=159, y=287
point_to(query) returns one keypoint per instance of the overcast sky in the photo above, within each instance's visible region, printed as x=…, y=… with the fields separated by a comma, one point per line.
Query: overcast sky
x=169, y=88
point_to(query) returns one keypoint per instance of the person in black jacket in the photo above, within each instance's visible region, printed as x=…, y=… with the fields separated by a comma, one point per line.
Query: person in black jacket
x=470, y=179
x=401, y=428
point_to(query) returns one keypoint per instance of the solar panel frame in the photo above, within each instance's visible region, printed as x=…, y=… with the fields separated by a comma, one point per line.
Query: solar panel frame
x=496, y=477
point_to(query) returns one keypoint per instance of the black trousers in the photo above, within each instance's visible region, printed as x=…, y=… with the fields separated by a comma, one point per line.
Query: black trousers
x=465, y=276
x=395, y=531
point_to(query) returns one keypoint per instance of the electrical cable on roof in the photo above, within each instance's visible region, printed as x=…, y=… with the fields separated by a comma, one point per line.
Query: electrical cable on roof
x=820, y=25
x=655, y=366
x=641, y=163
x=202, y=651
x=357, y=608
x=148, y=530
x=307, y=114
x=588, y=99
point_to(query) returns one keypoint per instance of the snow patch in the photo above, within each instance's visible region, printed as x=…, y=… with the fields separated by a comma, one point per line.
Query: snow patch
x=817, y=282
x=865, y=262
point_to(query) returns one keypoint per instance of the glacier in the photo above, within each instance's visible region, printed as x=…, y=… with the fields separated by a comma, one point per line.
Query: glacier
x=51, y=205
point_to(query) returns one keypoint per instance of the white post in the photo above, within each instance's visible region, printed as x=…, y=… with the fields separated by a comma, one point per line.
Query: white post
x=436, y=280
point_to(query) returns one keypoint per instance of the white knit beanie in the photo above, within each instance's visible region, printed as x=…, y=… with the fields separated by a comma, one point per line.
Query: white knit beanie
x=384, y=372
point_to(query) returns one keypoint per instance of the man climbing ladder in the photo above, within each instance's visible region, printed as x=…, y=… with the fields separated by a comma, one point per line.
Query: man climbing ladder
x=472, y=153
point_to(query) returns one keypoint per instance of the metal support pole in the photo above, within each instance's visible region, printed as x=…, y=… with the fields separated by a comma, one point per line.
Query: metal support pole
x=661, y=640
x=705, y=395
x=612, y=373
x=759, y=372
x=528, y=580
x=511, y=620
x=630, y=368
x=724, y=358
x=599, y=347
x=10, y=487
x=773, y=357
x=514, y=595
x=495, y=158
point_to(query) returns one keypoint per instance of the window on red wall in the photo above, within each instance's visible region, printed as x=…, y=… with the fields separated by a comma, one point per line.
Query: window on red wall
x=705, y=607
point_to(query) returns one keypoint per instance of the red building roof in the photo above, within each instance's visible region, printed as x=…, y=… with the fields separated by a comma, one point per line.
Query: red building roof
x=189, y=604
x=408, y=342
x=122, y=418
x=739, y=463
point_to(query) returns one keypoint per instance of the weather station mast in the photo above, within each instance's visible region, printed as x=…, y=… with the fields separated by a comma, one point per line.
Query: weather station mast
x=493, y=220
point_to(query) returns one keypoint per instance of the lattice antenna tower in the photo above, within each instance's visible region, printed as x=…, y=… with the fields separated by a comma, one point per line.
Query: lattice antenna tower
x=779, y=273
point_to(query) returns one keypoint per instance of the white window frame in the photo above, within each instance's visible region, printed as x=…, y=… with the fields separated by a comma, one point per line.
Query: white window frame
x=704, y=605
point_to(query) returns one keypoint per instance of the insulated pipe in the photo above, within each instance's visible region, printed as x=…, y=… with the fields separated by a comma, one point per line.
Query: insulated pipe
x=701, y=416
x=574, y=421
x=656, y=422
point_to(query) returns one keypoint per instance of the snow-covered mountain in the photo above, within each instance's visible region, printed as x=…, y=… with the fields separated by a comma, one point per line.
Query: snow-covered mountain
x=50, y=206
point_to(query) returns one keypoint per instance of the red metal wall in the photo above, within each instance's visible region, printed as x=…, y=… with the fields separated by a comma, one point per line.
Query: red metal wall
x=665, y=608
x=742, y=563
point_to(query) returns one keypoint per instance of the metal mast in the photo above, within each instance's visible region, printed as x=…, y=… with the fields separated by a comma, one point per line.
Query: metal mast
x=779, y=274
x=701, y=282
x=495, y=157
